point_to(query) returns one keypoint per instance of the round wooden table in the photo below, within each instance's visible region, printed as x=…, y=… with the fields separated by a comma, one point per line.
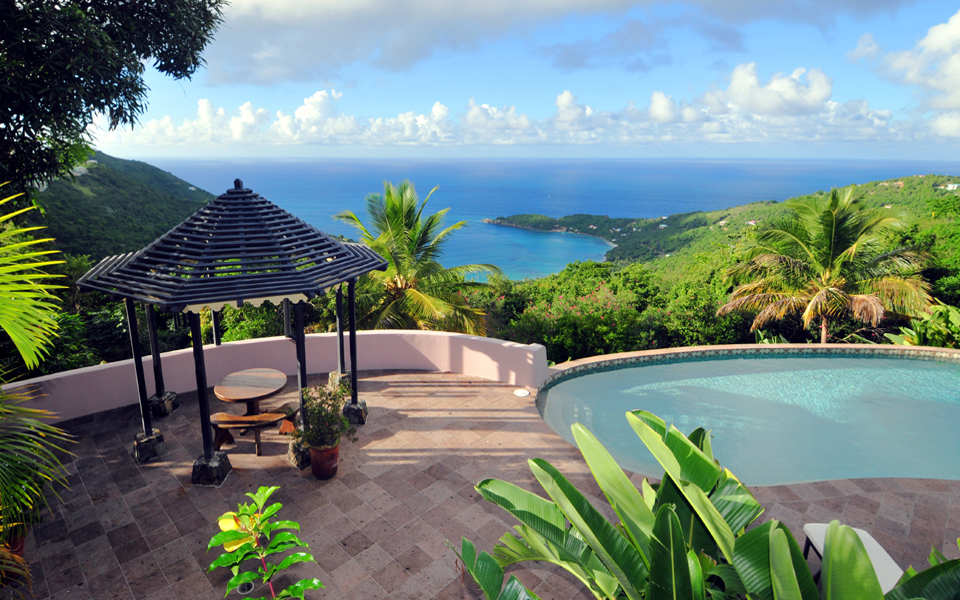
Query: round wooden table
x=250, y=386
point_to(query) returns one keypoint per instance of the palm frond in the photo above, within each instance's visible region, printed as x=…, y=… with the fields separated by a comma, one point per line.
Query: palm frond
x=827, y=302
x=778, y=311
x=866, y=308
x=28, y=457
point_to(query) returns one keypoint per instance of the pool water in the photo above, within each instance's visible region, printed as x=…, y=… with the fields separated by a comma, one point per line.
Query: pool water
x=780, y=420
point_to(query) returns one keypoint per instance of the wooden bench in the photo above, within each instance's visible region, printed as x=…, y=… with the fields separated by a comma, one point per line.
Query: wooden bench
x=224, y=422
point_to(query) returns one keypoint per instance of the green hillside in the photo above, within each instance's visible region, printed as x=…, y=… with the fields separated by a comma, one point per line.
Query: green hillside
x=915, y=199
x=115, y=206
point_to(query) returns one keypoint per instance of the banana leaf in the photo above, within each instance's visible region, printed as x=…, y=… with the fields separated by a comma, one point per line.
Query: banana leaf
x=535, y=512
x=782, y=575
x=531, y=546
x=701, y=439
x=669, y=567
x=675, y=453
x=751, y=558
x=940, y=582
x=617, y=553
x=489, y=575
x=695, y=533
x=735, y=503
x=847, y=571
x=697, y=587
x=626, y=501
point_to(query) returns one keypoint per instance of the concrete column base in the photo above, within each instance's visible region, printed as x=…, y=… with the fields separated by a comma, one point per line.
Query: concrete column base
x=356, y=413
x=211, y=473
x=165, y=406
x=147, y=448
x=298, y=456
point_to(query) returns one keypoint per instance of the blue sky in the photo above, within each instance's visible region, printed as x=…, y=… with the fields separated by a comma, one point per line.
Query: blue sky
x=582, y=78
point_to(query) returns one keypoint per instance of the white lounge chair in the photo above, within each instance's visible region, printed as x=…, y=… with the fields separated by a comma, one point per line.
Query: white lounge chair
x=888, y=572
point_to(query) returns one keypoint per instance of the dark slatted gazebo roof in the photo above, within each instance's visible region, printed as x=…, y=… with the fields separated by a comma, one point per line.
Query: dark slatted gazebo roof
x=238, y=248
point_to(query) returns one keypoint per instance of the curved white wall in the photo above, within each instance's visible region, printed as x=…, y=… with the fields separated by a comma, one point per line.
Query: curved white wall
x=92, y=389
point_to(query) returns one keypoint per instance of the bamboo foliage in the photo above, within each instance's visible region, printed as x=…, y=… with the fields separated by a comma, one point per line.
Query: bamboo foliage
x=416, y=291
x=831, y=259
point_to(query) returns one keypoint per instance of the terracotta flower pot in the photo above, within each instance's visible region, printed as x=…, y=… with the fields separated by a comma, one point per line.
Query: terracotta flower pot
x=324, y=460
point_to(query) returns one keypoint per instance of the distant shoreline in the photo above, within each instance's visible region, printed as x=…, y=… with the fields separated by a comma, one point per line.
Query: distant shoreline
x=499, y=223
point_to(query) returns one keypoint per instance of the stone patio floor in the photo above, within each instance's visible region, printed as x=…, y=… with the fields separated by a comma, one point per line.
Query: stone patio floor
x=405, y=487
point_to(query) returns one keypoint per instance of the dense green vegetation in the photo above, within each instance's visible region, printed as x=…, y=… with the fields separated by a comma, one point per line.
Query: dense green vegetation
x=116, y=206
x=639, y=299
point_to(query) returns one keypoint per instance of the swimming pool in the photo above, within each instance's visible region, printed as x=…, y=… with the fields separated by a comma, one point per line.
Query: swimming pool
x=778, y=415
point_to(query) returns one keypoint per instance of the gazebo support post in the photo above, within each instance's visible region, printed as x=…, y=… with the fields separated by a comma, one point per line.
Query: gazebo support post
x=213, y=467
x=216, y=315
x=286, y=318
x=341, y=359
x=301, y=344
x=149, y=444
x=356, y=411
x=162, y=403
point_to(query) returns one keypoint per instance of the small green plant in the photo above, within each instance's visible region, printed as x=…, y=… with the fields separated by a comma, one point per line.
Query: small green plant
x=323, y=420
x=938, y=326
x=248, y=534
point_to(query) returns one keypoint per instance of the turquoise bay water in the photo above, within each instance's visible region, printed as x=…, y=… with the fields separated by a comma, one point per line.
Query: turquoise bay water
x=475, y=189
x=780, y=420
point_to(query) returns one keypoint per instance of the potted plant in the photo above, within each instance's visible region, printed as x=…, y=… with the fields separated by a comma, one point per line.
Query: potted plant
x=323, y=426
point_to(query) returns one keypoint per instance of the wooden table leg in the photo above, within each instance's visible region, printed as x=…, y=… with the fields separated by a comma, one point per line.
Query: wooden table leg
x=222, y=436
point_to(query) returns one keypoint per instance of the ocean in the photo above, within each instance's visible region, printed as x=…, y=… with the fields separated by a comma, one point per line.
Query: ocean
x=316, y=189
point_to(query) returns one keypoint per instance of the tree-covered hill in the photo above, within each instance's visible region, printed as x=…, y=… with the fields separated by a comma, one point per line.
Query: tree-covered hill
x=115, y=206
x=921, y=201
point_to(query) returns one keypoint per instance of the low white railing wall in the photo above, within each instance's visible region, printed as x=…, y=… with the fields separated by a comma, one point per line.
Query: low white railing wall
x=93, y=389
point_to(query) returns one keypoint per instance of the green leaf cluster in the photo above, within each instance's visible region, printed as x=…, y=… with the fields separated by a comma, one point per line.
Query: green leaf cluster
x=249, y=535
x=938, y=327
x=63, y=62
x=684, y=538
x=323, y=420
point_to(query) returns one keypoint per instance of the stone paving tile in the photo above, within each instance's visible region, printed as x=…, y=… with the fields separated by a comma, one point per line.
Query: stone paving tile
x=379, y=529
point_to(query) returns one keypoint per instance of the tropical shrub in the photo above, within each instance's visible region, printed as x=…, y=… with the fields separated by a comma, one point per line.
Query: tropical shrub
x=249, y=535
x=684, y=538
x=323, y=420
x=940, y=327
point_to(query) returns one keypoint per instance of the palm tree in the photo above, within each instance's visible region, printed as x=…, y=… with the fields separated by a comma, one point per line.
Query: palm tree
x=416, y=291
x=828, y=261
x=29, y=447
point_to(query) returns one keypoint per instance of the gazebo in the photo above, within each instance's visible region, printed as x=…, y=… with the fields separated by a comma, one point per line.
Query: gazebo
x=238, y=248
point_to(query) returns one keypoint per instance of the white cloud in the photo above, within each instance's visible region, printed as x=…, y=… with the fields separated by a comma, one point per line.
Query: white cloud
x=662, y=108
x=786, y=108
x=932, y=65
x=867, y=48
x=947, y=125
x=782, y=95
